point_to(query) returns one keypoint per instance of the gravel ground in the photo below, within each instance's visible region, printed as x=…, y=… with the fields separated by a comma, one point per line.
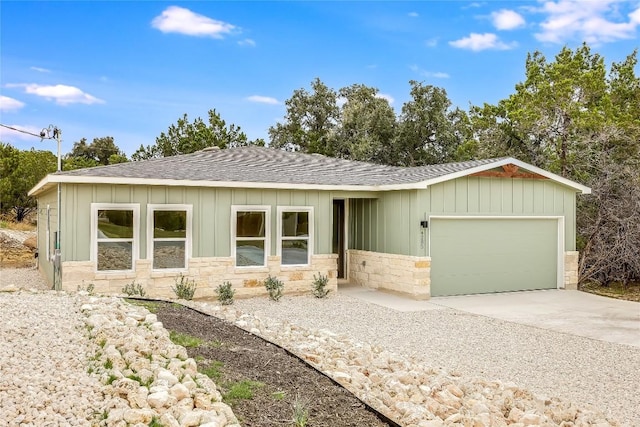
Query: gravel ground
x=552, y=364
x=582, y=370
x=43, y=362
x=23, y=278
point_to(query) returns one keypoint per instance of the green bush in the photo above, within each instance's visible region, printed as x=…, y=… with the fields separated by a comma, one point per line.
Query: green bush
x=225, y=293
x=320, y=285
x=134, y=288
x=275, y=288
x=184, y=288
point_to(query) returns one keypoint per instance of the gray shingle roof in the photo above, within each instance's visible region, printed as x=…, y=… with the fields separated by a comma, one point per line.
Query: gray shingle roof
x=267, y=165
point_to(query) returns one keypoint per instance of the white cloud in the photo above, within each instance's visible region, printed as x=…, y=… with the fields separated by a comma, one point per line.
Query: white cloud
x=413, y=14
x=176, y=19
x=40, y=69
x=8, y=134
x=591, y=21
x=505, y=19
x=478, y=42
x=429, y=74
x=62, y=94
x=263, y=100
x=388, y=97
x=9, y=104
x=247, y=42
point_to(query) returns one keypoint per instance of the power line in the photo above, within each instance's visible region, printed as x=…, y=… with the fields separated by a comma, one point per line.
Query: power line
x=27, y=132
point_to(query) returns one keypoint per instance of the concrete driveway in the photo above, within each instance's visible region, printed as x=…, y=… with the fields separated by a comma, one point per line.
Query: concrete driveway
x=572, y=312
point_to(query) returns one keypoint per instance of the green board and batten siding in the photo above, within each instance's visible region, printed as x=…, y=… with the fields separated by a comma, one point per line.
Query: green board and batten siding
x=503, y=197
x=391, y=223
x=211, y=213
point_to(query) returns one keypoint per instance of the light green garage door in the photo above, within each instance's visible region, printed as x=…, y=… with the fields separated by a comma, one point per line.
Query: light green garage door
x=473, y=256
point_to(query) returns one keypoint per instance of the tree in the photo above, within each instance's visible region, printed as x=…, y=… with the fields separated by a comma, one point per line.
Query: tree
x=185, y=137
x=570, y=117
x=367, y=124
x=310, y=121
x=102, y=151
x=560, y=104
x=19, y=172
x=429, y=131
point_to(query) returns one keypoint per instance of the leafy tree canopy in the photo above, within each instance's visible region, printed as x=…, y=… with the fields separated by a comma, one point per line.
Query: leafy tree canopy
x=21, y=170
x=102, y=151
x=186, y=137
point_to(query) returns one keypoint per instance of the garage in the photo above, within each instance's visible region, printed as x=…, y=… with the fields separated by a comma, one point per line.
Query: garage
x=474, y=255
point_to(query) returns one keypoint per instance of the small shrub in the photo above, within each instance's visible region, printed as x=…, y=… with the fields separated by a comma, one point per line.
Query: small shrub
x=108, y=364
x=225, y=293
x=111, y=379
x=300, y=412
x=184, y=288
x=320, y=286
x=89, y=288
x=275, y=288
x=134, y=288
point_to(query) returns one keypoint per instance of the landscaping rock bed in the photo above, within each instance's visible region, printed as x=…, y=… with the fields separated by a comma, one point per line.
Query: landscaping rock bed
x=406, y=390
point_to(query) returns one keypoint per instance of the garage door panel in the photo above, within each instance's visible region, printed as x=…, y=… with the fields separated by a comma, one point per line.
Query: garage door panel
x=492, y=255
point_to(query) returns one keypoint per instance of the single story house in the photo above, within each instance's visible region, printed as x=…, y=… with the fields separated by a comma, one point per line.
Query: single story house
x=242, y=214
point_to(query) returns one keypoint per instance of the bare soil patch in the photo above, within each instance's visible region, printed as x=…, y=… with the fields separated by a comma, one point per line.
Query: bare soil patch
x=615, y=290
x=17, y=248
x=276, y=381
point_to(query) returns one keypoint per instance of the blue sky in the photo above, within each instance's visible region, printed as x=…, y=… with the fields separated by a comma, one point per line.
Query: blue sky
x=131, y=69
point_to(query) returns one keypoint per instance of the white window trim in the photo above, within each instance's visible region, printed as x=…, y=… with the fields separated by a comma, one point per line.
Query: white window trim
x=135, y=207
x=309, y=238
x=267, y=232
x=151, y=208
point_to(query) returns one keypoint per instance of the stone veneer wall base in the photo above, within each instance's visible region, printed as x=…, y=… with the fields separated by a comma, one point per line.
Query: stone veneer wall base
x=208, y=273
x=403, y=274
x=571, y=275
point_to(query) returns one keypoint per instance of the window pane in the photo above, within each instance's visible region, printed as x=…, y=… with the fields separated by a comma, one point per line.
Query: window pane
x=250, y=224
x=295, y=252
x=170, y=224
x=168, y=254
x=115, y=256
x=295, y=224
x=115, y=224
x=249, y=253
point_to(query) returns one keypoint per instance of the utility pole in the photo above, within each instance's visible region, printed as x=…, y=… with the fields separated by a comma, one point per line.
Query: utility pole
x=53, y=132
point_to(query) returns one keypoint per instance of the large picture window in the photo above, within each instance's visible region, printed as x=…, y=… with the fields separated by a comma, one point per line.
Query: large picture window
x=250, y=235
x=115, y=231
x=295, y=233
x=169, y=236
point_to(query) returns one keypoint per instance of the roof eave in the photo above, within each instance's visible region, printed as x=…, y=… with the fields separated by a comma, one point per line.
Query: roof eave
x=509, y=160
x=69, y=179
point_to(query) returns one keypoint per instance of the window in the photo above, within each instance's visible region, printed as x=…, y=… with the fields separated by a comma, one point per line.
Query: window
x=115, y=230
x=295, y=231
x=169, y=236
x=250, y=235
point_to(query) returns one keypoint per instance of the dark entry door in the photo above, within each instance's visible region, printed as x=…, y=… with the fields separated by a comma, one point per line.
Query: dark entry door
x=338, y=235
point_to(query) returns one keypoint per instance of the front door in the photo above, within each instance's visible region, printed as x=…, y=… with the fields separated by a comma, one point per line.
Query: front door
x=338, y=235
